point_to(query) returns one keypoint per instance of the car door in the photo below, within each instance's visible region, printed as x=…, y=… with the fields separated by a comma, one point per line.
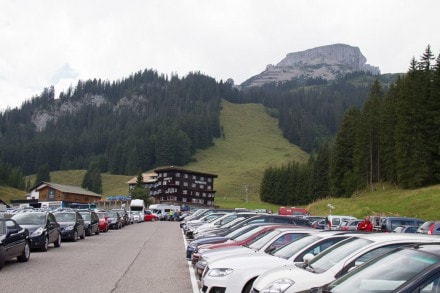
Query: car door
x=80, y=224
x=52, y=228
x=15, y=240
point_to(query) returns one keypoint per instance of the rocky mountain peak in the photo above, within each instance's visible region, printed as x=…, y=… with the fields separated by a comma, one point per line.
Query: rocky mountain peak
x=327, y=62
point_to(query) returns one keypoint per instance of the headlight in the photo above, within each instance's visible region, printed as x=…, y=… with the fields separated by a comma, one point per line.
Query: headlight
x=37, y=232
x=278, y=286
x=221, y=272
x=71, y=227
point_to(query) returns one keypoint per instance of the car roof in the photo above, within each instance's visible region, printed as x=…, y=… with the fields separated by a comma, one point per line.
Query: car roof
x=379, y=237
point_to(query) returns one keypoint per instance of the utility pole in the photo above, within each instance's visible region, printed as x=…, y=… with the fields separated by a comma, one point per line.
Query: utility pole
x=246, y=188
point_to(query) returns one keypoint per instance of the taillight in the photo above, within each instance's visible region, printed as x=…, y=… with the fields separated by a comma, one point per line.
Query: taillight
x=431, y=229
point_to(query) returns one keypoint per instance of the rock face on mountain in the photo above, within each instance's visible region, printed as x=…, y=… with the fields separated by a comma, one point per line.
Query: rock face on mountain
x=327, y=62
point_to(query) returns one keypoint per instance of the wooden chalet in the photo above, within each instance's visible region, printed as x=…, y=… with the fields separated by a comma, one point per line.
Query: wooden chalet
x=47, y=191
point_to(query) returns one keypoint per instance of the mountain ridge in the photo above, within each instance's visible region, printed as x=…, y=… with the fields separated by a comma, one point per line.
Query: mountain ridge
x=326, y=62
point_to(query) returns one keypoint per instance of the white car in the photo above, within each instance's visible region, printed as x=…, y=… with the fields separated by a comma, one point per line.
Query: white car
x=333, y=262
x=239, y=272
x=269, y=242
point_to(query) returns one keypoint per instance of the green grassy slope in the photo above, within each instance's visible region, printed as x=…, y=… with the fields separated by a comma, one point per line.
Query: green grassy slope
x=251, y=142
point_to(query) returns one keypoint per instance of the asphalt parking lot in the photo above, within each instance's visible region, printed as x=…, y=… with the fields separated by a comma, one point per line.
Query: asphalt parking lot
x=144, y=257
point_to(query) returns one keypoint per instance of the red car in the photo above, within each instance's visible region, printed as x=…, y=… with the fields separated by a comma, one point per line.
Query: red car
x=103, y=223
x=149, y=216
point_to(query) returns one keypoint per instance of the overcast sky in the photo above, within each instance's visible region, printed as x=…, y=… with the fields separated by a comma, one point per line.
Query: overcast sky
x=58, y=42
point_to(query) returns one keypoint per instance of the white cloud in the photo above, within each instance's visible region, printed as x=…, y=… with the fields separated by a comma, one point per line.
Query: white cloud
x=57, y=42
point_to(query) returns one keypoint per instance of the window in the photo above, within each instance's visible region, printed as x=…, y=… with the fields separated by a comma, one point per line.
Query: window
x=177, y=182
x=185, y=176
x=185, y=183
x=193, y=185
x=209, y=179
x=177, y=174
x=201, y=186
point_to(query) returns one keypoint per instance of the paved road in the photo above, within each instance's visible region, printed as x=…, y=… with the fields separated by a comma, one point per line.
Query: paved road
x=144, y=257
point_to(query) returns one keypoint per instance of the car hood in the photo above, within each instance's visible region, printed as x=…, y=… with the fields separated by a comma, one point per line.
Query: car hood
x=303, y=279
x=209, y=240
x=256, y=262
x=31, y=228
x=65, y=224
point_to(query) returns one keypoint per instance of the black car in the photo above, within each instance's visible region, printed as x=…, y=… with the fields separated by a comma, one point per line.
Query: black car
x=14, y=242
x=91, y=222
x=72, y=225
x=114, y=220
x=125, y=217
x=43, y=228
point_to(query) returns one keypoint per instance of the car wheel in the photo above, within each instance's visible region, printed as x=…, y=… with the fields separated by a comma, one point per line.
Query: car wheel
x=58, y=242
x=25, y=254
x=83, y=235
x=89, y=232
x=46, y=244
x=75, y=236
x=2, y=257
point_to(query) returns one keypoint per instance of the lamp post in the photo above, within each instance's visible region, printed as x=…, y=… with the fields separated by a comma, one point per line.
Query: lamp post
x=246, y=188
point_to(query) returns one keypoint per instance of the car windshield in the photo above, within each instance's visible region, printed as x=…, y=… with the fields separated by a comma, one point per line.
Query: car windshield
x=65, y=217
x=112, y=214
x=101, y=215
x=248, y=233
x=386, y=273
x=233, y=222
x=290, y=249
x=262, y=239
x=86, y=216
x=30, y=219
x=330, y=257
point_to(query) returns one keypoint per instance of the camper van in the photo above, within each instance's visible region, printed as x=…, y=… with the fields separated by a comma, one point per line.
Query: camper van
x=162, y=211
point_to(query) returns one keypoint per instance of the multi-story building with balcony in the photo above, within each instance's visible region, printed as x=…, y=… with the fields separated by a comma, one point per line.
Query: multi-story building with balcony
x=183, y=187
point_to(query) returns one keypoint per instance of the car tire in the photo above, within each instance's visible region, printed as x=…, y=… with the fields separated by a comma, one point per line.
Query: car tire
x=57, y=243
x=83, y=235
x=2, y=257
x=89, y=232
x=45, y=245
x=25, y=254
x=75, y=236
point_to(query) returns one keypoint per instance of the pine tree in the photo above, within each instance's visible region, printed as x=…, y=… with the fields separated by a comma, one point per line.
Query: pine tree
x=43, y=174
x=92, y=179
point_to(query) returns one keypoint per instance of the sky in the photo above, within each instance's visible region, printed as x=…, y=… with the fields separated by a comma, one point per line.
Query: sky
x=58, y=42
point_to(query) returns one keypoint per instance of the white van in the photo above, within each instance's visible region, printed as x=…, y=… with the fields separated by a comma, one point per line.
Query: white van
x=162, y=211
x=334, y=221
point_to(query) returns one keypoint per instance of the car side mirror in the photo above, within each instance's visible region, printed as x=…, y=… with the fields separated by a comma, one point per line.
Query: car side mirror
x=11, y=231
x=308, y=257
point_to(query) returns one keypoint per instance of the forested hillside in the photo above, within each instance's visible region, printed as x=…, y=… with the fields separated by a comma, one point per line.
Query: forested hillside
x=145, y=120
x=393, y=137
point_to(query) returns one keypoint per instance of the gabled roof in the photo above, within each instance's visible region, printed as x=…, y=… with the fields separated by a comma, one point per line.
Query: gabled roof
x=146, y=178
x=65, y=188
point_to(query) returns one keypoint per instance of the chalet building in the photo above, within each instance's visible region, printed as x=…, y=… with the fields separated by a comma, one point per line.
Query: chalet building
x=183, y=187
x=47, y=191
x=148, y=180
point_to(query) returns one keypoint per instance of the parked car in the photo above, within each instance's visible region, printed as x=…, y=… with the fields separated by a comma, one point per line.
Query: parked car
x=125, y=219
x=351, y=225
x=72, y=224
x=244, y=269
x=14, y=242
x=430, y=227
x=406, y=269
x=334, y=262
x=319, y=224
x=91, y=222
x=149, y=216
x=334, y=222
x=114, y=220
x=388, y=224
x=43, y=229
x=103, y=222
x=266, y=243
x=406, y=229
x=136, y=217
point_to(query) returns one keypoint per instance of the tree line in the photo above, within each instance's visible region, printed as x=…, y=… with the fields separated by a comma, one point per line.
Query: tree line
x=393, y=137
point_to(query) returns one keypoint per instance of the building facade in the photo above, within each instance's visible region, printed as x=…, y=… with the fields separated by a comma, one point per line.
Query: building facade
x=183, y=187
x=47, y=192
